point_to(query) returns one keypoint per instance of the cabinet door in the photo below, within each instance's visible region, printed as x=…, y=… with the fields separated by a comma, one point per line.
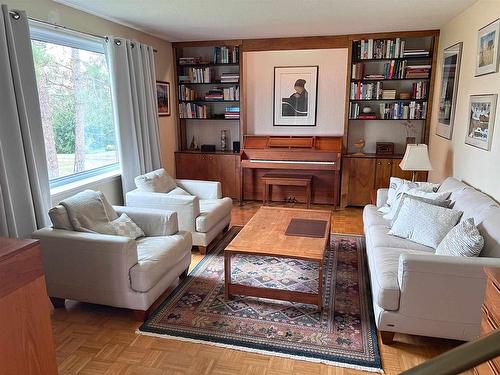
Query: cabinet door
x=383, y=172
x=190, y=166
x=361, y=180
x=225, y=167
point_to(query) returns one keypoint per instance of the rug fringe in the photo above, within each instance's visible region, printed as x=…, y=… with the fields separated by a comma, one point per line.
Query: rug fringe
x=265, y=352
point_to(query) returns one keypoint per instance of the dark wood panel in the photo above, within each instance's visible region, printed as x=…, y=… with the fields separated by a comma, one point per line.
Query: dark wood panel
x=296, y=43
x=383, y=172
x=361, y=180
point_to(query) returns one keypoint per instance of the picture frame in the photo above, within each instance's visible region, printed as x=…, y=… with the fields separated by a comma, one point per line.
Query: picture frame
x=487, y=49
x=482, y=111
x=452, y=57
x=295, y=95
x=163, y=98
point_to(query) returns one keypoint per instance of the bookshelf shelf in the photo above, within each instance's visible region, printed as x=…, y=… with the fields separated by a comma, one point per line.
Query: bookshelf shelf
x=394, y=58
x=388, y=100
x=202, y=65
x=209, y=83
x=387, y=119
x=390, y=79
x=209, y=101
x=211, y=119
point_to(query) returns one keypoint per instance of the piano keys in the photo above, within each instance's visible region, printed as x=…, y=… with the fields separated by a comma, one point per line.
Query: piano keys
x=318, y=156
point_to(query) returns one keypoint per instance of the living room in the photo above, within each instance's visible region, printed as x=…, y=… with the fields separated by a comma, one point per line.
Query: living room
x=249, y=187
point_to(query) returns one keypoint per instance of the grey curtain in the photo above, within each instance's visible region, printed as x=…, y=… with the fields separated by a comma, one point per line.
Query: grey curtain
x=133, y=83
x=24, y=182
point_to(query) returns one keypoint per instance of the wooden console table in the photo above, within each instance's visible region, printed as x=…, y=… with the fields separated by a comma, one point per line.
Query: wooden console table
x=271, y=179
x=26, y=343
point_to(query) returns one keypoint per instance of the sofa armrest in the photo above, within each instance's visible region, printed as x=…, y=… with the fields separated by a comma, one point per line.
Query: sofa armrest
x=202, y=189
x=186, y=206
x=444, y=288
x=78, y=260
x=382, y=195
x=154, y=222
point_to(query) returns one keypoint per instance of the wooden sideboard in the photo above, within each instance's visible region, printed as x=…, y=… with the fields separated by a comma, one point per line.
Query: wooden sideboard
x=217, y=166
x=361, y=174
x=26, y=342
x=491, y=318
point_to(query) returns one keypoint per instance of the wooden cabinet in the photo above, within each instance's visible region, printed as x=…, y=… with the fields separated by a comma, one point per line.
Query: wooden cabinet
x=26, y=342
x=218, y=166
x=491, y=318
x=361, y=174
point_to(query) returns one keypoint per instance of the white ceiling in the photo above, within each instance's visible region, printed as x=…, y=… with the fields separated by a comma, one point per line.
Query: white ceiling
x=184, y=20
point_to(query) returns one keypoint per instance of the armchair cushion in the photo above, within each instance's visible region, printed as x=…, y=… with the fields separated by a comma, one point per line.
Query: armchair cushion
x=202, y=189
x=156, y=181
x=153, y=221
x=59, y=218
x=211, y=212
x=157, y=254
x=125, y=226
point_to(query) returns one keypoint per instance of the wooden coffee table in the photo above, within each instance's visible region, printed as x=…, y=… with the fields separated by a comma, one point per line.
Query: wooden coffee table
x=264, y=235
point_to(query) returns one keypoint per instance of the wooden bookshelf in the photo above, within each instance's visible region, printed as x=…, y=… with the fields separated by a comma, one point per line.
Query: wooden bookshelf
x=363, y=173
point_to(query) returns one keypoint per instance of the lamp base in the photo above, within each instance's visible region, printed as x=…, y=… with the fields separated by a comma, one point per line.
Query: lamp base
x=413, y=176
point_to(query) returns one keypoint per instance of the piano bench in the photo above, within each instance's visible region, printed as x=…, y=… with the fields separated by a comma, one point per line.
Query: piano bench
x=271, y=179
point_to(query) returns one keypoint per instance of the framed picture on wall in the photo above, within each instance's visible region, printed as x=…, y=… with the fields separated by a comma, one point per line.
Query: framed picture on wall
x=163, y=98
x=295, y=95
x=487, y=49
x=481, y=121
x=449, y=87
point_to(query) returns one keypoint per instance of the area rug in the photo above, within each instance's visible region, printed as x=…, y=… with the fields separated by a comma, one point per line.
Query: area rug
x=343, y=334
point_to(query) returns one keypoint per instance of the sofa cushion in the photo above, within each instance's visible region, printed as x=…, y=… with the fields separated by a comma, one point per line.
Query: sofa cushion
x=59, y=218
x=490, y=230
x=372, y=216
x=378, y=237
x=384, y=263
x=452, y=185
x=211, y=212
x=156, y=181
x=463, y=239
x=472, y=203
x=156, y=256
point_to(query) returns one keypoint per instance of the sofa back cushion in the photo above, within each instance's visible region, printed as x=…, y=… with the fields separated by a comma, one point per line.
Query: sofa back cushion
x=59, y=217
x=490, y=230
x=157, y=181
x=472, y=203
x=452, y=185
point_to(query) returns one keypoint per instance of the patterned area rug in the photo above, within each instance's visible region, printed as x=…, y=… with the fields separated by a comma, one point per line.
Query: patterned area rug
x=343, y=334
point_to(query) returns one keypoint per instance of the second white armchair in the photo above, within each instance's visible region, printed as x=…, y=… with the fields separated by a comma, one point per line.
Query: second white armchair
x=200, y=207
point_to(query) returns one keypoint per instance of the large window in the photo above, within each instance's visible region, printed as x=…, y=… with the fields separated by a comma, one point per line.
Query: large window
x=75, y=102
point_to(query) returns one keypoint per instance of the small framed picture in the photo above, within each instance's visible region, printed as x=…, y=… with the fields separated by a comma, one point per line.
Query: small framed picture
x=481, y=121
x=295, y=95
x=449, y=87
x=163, y=98
x=487, y=49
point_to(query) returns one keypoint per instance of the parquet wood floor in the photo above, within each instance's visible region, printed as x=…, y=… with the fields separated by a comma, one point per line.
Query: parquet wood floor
x=92, y=339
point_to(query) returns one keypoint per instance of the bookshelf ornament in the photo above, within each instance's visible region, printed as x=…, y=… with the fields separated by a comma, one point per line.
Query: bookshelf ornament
x=360, y=145
x=223, y=140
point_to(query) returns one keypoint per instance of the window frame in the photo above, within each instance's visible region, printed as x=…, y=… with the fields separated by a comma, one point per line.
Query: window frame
x=53, y=34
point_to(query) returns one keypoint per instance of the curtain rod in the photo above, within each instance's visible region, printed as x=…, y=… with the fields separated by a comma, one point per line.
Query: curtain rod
x=55, y=25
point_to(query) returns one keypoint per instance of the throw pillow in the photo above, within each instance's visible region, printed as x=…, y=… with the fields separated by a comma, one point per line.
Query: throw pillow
x=157, y=181
x=463, y=240
x=424, y=223
x=416, y=192
x=124, y=226
x=435, y=199
x=396, y=184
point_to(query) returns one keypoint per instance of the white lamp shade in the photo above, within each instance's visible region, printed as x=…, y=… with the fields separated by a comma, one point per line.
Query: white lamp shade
x=416, y=158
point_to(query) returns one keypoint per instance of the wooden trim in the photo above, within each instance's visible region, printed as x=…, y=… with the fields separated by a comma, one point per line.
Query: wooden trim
x=208, y=43
x=395, y=34
x=295, y=43
x=347, y=96
x=430, y=98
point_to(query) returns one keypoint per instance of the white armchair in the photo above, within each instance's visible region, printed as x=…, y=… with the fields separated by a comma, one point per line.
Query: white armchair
x=200, y=207
x=114, y=270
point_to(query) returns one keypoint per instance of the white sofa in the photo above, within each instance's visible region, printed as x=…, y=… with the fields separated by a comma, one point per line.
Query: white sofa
x=114, y=270
x=200, y=207
x=417, y=292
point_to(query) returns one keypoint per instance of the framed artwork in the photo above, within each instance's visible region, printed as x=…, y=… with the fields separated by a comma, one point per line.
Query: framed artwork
x=487, y=49
x=449, y=87
x=295, y=95
x=163, y=98
x=481, y=120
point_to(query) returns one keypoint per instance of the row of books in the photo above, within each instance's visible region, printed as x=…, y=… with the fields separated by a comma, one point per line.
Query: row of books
x=197, y=75
x=419, y=90
x=230, y=77
x=363, y=90
x=232, y=112
x=417, y=71
x=403, y=111
x=192, y=110
x=226, y=55
x=189, y=60
x=385, y=49
x=226, y=93
x=185, y=93
x=395, y=69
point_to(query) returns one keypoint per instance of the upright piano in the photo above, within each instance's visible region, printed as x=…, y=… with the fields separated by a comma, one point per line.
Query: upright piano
x=319, y=156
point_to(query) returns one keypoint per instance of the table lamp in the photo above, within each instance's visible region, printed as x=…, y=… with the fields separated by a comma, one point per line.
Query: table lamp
x=416, y=159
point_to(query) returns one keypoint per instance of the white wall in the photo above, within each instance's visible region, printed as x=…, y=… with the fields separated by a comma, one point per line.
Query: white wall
x=478, y=167
x=259, y=82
